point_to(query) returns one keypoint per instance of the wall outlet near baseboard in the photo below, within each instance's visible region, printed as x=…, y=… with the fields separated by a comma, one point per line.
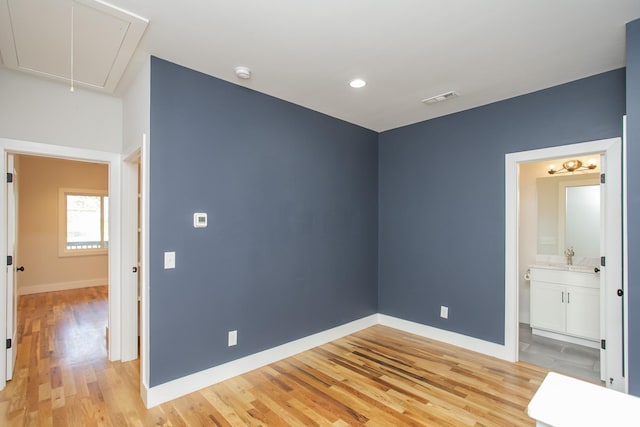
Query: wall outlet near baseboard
x=444, y=312
x=233, y=338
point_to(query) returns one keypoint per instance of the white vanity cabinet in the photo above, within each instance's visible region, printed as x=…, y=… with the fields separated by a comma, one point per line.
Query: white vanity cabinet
x=566, y=305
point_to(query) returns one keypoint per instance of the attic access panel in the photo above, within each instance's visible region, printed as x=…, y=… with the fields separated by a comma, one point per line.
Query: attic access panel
x=36, y=38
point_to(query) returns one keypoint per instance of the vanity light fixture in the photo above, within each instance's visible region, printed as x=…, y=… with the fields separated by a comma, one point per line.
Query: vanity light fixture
x=572, y=166
x=357, y=83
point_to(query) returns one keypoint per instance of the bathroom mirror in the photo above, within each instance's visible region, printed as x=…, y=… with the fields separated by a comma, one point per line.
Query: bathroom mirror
x=582, y=220
x=569, y=215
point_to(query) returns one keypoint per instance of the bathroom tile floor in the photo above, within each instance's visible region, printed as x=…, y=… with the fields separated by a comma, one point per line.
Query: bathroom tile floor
x=563, y=357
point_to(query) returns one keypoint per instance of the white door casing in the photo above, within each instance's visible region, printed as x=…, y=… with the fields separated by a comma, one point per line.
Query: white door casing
x=612, y=246
x=144, y=273
x=113, y=160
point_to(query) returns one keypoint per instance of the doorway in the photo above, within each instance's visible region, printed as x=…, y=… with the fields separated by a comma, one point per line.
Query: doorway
x=559, y=222
x=116, y=327
x=611, y=329
x=62, y=234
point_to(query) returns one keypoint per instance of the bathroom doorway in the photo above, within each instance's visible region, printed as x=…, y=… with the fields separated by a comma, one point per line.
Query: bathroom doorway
x=559, y=230
x=610, y=316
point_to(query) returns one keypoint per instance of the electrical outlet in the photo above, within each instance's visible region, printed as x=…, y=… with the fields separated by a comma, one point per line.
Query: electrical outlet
x=233, y=338
x=444, y=312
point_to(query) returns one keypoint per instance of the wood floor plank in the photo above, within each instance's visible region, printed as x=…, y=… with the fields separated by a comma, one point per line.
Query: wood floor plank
x=376, y=377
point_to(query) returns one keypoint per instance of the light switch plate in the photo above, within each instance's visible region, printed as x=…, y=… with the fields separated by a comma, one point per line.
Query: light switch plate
x=169, y=260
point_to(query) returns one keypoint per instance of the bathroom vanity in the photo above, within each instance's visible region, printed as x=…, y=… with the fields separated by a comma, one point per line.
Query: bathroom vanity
x=565, y=303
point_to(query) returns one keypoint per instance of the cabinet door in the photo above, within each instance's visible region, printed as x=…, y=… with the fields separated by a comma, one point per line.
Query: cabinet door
x=583, y=312
x=548, y=308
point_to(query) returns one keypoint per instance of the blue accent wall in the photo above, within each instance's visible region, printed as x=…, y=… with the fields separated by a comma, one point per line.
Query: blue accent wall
x=314, y=222
x=442, y=199
x=291, y=244
x=633, y=201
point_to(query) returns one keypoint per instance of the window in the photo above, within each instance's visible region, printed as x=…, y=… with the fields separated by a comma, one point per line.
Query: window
x=84, y=222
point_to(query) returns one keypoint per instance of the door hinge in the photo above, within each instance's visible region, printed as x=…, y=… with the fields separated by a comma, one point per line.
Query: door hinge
x=603, y=261
x=9, y=177
x=9, y=343
x=603, y=344
x=9, y=260
x=602, y=179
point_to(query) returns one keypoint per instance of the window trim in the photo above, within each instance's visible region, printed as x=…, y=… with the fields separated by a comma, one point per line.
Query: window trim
x=62, y=222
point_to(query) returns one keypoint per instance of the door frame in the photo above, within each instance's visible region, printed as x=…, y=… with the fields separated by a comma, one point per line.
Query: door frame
x=129, y=279
x=612, y=148
x=134, y=180
x=117, y=330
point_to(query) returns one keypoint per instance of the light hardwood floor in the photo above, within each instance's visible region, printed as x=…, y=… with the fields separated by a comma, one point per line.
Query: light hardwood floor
x=377, y=377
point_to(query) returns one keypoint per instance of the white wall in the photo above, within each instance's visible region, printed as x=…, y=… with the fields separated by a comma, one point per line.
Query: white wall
x=528, y=230
x=136, y=109
x=38, y=110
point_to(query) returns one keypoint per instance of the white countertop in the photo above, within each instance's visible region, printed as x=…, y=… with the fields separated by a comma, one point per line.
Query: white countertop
x=563, y=401
x=565, y=267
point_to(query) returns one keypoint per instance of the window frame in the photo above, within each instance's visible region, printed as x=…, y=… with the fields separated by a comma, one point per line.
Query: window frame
x=62, y=222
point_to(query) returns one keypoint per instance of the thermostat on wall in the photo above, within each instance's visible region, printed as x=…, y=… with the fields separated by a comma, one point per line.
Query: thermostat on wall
x=200, y=220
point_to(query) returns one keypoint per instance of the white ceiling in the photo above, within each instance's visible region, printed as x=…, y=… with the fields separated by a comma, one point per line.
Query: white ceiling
x=307, y=51
x=82, y=42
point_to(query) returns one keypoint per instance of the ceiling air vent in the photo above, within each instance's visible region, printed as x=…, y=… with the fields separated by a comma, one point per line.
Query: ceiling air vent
x=441, y=97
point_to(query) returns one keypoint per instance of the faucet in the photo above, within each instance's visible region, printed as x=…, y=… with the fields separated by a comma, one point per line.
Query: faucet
x=569, y=253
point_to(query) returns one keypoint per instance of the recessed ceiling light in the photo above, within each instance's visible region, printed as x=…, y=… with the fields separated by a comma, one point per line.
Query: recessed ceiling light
x=357, y=83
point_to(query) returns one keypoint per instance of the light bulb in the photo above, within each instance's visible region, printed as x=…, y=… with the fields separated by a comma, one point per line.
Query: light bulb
x=357, y=83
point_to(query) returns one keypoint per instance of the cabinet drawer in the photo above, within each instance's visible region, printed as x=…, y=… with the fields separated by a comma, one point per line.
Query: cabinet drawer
x=563, y=277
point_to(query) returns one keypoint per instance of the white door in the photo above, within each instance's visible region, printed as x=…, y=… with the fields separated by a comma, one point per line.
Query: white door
x=130, y=257
x=12, y=298
x=611, y=324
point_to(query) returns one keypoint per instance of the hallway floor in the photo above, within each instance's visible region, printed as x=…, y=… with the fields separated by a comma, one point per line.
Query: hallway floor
x=559, y=356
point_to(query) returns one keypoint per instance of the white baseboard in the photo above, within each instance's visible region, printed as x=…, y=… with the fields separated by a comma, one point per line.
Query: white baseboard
x=453, y=338
x=51, y=287
x=156, y=395
x=153, y=396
